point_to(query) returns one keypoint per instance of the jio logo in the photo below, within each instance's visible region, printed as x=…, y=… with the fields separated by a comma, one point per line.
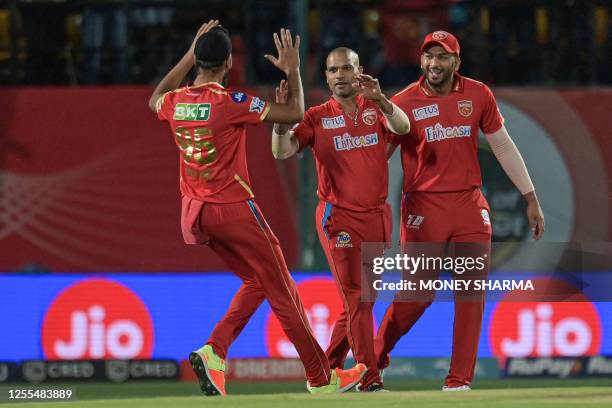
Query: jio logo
x=97, y=319
x=323, y=307
x=546, y=329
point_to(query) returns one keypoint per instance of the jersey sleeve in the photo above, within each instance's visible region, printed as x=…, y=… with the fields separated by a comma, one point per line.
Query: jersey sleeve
x=165, y=106
x=305, y=130
x=394, y=138
x=244, y=109
x=491, y=119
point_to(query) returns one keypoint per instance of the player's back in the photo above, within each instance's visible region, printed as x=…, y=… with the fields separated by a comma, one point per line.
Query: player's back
x=208, y=123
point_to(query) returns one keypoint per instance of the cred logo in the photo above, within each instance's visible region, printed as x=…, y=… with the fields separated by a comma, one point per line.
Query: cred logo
x=323, y=307
x=545, y=329
x=97, y=319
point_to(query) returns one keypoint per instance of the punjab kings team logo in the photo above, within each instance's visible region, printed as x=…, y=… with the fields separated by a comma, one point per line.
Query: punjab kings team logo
x=369, y=116
x=545, y=329
x=465, y=108
x=97, y=319
x=323, y=307
x=439, y=35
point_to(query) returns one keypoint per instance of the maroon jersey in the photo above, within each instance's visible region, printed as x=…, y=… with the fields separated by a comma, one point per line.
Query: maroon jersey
x=440, y=153
x=208, y=122
x=349, y=152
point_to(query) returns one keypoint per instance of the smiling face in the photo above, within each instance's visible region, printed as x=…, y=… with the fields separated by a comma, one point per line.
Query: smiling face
x=342, y=66
x=438, y=65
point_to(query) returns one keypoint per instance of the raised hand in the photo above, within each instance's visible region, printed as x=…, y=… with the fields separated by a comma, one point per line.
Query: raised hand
x=368, y=87
x=204, y=28
x=282, y=92
x=288, y=53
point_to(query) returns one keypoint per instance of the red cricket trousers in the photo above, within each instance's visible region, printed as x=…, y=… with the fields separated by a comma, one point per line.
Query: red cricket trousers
x=453, y=217
x=341, y=233
x=239, y=234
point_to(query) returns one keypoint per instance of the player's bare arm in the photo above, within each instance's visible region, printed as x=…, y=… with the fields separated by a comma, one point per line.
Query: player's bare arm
x=513, y=164
x=175, y=76
x=370, y=89
x=284, y=142
x=288, y=61
x=391, y=147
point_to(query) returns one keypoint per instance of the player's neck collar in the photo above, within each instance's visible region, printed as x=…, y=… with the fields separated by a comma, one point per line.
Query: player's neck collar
x=210, y=83
x=336, y=103
x=457, y=85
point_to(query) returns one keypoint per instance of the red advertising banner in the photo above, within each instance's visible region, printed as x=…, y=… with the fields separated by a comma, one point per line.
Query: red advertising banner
x=89, y=182
x=89, y=178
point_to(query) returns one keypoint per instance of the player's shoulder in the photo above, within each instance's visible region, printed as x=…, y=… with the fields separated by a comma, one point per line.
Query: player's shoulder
x=408, y=91
x=474, y=86
x=319, y=111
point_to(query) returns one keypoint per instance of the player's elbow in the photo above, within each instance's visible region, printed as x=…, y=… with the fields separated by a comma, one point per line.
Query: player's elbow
x=280, y=154
x=297, y=116
x=153, y=103
x=403, y=129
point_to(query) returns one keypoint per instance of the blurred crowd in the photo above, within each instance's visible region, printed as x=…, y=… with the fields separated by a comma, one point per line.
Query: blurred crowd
x=504, y=42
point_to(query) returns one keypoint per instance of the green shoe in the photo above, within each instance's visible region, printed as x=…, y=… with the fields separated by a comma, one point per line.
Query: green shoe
x=210, y=370
x=340, y=381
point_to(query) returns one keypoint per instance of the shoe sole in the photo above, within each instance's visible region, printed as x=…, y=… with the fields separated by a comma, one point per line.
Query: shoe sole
x=351, y=385
x=207, y=386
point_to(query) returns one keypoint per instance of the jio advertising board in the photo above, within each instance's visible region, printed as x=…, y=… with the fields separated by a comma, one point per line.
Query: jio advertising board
x=166, y=316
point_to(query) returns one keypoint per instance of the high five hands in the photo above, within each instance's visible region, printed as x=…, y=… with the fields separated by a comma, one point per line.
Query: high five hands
x=288, y=52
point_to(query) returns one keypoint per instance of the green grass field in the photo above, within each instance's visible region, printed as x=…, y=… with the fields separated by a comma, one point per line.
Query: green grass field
x=538, y=393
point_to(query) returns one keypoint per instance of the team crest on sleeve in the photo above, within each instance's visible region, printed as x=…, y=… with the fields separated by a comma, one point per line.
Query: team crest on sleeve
x=239, y=97
x=257, y=105
x=369, y=116
x=486, y=220
x=465, y=108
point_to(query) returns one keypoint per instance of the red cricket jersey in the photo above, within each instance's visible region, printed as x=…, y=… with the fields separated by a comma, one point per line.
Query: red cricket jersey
x=208, y=122
x=440, y=153
x=350, y=155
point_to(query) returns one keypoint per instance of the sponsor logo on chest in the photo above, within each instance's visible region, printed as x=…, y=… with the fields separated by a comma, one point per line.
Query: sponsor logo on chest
x=438, y=132
x=333, y=123
x=348, y=142
x=192, y=111
x=425, y=112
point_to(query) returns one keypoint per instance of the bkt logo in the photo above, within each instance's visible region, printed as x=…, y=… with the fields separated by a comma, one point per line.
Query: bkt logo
x=323, y=307
x=438, y=132
x=192, y=111
x=541, y=329
x=97, y=319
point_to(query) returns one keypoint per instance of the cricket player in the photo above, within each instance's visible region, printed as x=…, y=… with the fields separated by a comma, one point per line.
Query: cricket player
x=442, y=201
x=348, y=135
x=208, y=124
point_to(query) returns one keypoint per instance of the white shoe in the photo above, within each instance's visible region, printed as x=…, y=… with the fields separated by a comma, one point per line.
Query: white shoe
x=382, y=374
x=459, y=388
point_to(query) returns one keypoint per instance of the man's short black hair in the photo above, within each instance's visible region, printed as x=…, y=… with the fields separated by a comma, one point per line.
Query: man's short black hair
x=213, y=48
